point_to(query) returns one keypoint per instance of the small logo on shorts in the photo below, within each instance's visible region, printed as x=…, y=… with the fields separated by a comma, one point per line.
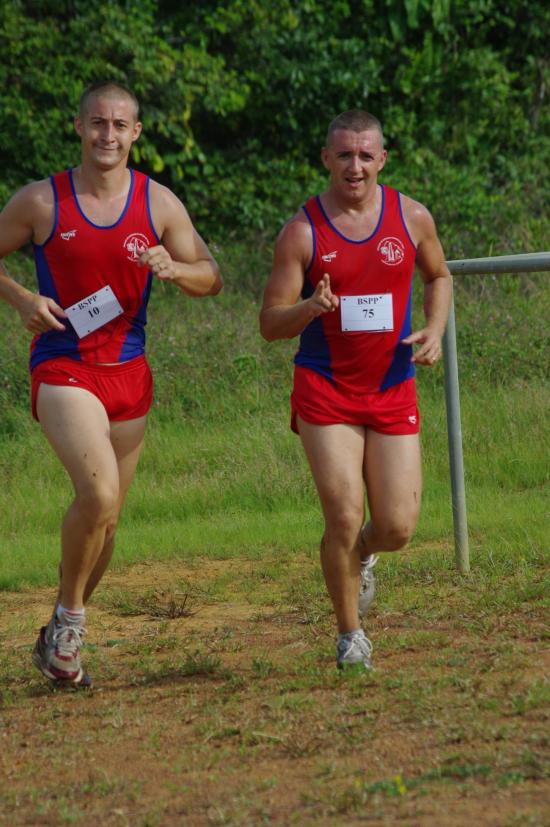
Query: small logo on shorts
x=412, y=420
x=330, y=256
x=136, y=244
x=392, y=251
x=68, y=235
x=73, y=380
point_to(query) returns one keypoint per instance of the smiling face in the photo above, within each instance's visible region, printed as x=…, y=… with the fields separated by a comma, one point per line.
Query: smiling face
x=107, y=127
x=354, y=160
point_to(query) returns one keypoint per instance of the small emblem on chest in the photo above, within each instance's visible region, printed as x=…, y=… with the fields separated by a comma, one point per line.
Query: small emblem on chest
x=392, y=251
x=135, y=245
x=68, y=235
x=330, y=256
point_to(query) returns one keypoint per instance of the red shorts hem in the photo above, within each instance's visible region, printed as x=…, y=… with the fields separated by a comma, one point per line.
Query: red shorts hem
x=316, y=400
x=125, y=389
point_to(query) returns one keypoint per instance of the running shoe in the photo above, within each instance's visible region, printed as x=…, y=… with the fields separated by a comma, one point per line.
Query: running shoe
x=354, y=649
x=366, y=588
x=57, y=654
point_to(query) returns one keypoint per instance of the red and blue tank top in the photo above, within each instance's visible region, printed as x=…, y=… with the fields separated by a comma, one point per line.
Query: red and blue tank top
x=80, y=257
x=360, y=361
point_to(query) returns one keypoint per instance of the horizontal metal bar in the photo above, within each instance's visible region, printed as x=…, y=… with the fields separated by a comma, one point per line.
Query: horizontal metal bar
x=528, y=262
x=524, y=263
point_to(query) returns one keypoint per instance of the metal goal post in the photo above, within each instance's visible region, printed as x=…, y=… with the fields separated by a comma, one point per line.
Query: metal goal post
x=524, y=263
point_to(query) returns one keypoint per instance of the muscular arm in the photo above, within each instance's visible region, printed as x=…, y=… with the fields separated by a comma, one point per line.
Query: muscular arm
x=28, y=216
x=282, y=316
x=435, y=274
x=182, y=257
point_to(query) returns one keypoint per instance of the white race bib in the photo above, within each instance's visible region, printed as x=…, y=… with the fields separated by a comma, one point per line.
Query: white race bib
x=94, y=311
x=372, y=312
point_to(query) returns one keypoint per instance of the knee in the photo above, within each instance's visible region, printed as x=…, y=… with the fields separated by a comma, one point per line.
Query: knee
x=344, y=527
x=98, y=503
x=396, y=536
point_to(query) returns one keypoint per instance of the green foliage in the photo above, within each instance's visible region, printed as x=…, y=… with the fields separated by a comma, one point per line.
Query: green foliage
x=236, y=98
x=129, y=45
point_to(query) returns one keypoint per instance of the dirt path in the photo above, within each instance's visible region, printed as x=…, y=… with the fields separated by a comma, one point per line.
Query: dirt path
x=212, y=710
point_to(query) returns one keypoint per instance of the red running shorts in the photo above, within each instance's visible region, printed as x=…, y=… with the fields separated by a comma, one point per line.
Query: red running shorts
x=125, y=390
x=317, y=400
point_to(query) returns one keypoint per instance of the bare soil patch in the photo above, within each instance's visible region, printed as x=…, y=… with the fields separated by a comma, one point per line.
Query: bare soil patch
x=217, y=708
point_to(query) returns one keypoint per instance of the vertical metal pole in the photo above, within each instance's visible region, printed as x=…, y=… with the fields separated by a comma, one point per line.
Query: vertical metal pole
x=454, y=431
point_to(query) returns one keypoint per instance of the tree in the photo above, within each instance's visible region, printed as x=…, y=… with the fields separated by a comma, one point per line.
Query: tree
x=236, y=97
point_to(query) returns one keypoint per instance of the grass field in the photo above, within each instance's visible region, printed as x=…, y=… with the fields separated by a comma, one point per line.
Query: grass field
x=211, y=640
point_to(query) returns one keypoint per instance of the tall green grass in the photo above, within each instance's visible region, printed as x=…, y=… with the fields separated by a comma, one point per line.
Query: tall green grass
x=222, y=475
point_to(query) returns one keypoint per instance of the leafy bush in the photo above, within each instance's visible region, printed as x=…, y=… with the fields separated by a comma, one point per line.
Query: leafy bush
x=237, y=96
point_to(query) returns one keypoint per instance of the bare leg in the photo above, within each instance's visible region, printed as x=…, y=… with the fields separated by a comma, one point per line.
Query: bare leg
x=335, y=454
x=77, y=427
x=393, y=476
x=127, y=441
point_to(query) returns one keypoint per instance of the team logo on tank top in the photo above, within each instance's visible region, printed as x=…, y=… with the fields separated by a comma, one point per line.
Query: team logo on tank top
x=392, y=251
x=136, y=244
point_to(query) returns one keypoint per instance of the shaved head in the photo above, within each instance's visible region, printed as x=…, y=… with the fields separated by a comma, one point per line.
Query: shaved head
x=107, y=89
x=355, y=120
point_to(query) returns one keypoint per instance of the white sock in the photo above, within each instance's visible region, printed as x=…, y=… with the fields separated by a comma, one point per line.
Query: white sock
x=347, y=636
x=70, y=617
